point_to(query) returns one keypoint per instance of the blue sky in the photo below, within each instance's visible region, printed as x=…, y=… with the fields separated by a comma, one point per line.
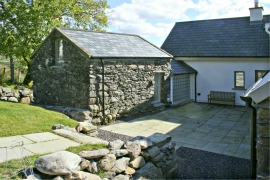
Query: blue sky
x=153, y=19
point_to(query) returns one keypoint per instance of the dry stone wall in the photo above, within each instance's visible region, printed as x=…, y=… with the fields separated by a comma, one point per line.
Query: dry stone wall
x=22, y=95
x=263, y=140
x=128, y=87
x=150, y=157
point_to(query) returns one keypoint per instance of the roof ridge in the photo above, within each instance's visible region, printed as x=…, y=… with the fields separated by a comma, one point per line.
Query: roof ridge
x=229, y=18
x=104, y=32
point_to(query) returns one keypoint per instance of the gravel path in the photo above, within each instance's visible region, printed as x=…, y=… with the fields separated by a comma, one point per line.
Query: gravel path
x=197, y=164
x=110, y=136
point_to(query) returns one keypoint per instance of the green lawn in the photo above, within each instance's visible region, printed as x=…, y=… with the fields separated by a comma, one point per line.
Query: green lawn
x=18, y=119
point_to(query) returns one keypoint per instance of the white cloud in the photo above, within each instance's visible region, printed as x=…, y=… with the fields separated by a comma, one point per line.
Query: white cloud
x=155, y=18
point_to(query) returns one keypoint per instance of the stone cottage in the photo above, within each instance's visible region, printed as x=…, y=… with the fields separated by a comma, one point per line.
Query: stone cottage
x=113, y=75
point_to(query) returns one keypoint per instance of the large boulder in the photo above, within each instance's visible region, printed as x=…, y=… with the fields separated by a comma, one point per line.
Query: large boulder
x=79, y=114
x=107, y=162
x=81, y=175
x=152, y=152
x=138, y=162
x=143, y=141
x=129, y=171
x=92, y=168
x=25, y=100
x=149, y=171
x=58, y=163
x=121, y=177
x=120, y=152
x=84, y=164
x=85, y=127
x=12, y=99
x=79, y=137
x=121, y=165
x=6, y=90
x=134, y=149
x=94, y=154
x=114, y=145
x=160, y=139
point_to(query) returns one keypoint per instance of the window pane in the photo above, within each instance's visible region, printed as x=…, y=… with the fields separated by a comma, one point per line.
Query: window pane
x=61, y=50
x=239, y=79
x=259, y=74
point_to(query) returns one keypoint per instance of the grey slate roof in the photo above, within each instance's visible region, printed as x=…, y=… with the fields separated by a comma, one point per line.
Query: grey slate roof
x=102, y=44
x=180, y=67
x=231, y=37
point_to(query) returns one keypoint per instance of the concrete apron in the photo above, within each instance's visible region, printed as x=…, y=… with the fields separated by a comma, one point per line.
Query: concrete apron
x=214, y=128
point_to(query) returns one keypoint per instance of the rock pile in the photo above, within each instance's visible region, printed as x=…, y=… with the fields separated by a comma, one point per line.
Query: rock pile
x=84, y=128
x=151, y=157
x=79, y=114
x=22, y=95
x=87, y=128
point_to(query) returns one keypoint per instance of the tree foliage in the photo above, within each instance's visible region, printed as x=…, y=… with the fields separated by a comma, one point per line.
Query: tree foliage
x=25, y=23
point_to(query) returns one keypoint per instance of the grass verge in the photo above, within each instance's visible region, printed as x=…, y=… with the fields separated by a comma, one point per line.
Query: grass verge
x=85, y=147
x=11, y=169
x=19, y=119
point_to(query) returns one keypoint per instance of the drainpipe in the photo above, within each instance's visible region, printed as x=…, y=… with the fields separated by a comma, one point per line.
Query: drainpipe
x=253, y=132
x=195, y=81
x=103, y=92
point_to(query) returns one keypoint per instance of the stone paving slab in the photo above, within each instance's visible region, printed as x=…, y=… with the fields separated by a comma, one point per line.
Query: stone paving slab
x=16, y=147
x=14, y=141
x=213, y=128
x=51, y=146
x=80, y=138
x=41, y=137
x=9, y=153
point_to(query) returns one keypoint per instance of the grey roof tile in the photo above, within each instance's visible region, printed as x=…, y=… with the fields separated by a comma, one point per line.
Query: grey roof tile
x=102, y=44
x=180, y=67
x=219, y=37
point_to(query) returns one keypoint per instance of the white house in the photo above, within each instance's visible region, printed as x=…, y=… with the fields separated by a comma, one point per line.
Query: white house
x=229, y=55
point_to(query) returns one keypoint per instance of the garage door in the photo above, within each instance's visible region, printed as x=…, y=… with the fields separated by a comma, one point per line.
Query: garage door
x=180, y=88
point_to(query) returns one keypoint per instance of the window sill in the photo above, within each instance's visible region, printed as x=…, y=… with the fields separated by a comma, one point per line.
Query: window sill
x=239, y=89
x=56, y=67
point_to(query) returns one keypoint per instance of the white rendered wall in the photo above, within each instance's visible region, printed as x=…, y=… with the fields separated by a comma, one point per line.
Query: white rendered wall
x=217, y=74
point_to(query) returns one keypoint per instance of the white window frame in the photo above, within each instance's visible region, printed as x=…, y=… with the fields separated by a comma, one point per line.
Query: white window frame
x=235, y=80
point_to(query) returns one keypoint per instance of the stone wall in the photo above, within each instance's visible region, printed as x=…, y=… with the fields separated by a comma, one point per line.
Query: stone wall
x=263, y=139
x=22, y=95
x=152, y=157
x=128, y=83
x=128, y=86
x=66, y=85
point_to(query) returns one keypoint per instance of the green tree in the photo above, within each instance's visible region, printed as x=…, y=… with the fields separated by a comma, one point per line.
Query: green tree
x=25, y=23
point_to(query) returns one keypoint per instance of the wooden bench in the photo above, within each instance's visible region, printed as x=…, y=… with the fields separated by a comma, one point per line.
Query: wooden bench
x=221, y=97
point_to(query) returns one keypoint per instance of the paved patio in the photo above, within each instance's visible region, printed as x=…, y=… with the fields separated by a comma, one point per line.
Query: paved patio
x=215, y=128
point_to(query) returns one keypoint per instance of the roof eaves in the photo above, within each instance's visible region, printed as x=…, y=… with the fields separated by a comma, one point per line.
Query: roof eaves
x=221, y=56
x=128, y=57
